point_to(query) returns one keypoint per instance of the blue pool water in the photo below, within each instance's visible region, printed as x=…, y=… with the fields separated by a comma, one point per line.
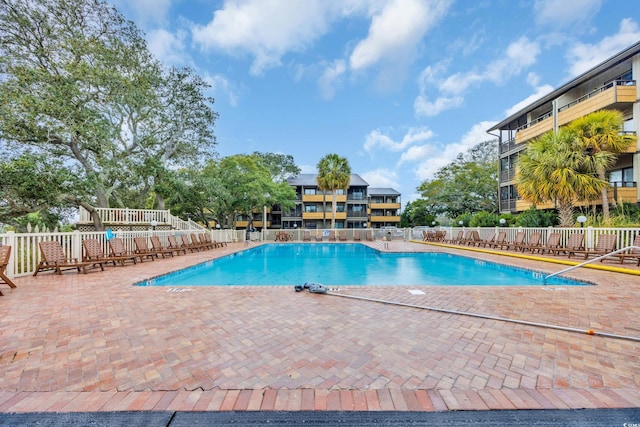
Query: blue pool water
x=347, y=264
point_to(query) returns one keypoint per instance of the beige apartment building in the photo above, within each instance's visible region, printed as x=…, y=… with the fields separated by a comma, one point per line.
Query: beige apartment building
x=609, y=85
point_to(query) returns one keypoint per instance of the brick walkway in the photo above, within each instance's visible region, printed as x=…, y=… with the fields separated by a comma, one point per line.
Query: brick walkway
x=95, y=343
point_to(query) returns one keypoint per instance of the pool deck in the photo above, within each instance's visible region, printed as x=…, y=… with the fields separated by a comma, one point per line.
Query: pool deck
x=85, y=343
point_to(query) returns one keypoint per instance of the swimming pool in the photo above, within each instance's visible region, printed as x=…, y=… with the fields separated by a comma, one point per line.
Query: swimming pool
x=347, y=264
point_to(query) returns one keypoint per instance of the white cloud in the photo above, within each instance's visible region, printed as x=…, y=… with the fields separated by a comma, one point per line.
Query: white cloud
x=477, y=134
x=382, y=178
x=519, y=55
x=559, y=14
x=582, y=56
x=167, y=47
x=221, y=86
x=147, y=13
x=395, y=32
x=416, y=153
x=265, y=29
x=331, y=78
x=423, y=107
x=539, y=93
x=377, y=138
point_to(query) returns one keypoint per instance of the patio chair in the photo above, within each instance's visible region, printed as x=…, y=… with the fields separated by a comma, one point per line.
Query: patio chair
x=5, y=253
x=552, y=245
x=195, y=240
x=188, y=244
x=206, y=243
x=575, y=242
x=494, y=241
x=142, y=248
x=533, y=243
x=356, y=236
x=473, y=238
x=369, y=235
x=306, y=237
x=93, y=253
x=458, y=239
x=54, y=258
x=440, y=236
x=319, y=236
x=633, y=254
x=160, y=249
x=606, y=244
x=118, y=252
x=342, y=235
x=175, y=246
x=332, y=236
x=517, y=241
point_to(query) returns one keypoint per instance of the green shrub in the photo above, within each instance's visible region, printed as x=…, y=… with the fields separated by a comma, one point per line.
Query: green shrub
x=484, y=219
x=465, y=218
x=536, y=218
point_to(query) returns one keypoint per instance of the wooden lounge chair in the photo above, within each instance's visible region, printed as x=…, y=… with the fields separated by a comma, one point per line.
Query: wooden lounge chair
x=606, y=244
x=498, y=239
x=207, y=244
x=474, y=238
x=332, y=236
x=195, y=240
x=458, y=239
x=118, y=252
x=160, y=249
x=633, y=254
x=368, y=235
x=188, y=244
x=553, y=244
x=93, y=253
x=142, y=248
x=356, y=236
x=306, y=237
x=5, y=253
x=440, y=236
x=175, y=246
x=342, y=235
x=319, y=236
x=517, y=241
x=533, y=243
x=575, y=242
x=54, y=258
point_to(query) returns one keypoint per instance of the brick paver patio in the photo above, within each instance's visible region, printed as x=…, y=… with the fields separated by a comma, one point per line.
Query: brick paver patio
x=95, y=343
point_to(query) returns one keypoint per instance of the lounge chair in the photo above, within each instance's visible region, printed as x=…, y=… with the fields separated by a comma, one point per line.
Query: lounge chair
x=496, y=240
x=606, y=244
x=195, y=240
x=575, y=242
x=342, y=235
x=306, y=237
x=93, y=253
x=5, y=253
x=356, y=236
x=458, y=239
x=142, y=248
x=473, y=238
x=552, y=245
x=440, y=236
x=319, y=235
x=369, y=235
x=533, y=243
x=188, y=244
x=517, y=242
x=206, y=243
x=119, y=253
x=160, y=249
x=633, y=254
x=175, y=246
x=54, y=258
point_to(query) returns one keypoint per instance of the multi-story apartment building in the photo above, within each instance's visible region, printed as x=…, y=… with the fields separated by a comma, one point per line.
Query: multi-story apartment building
x=609, y=85
x=357, y=207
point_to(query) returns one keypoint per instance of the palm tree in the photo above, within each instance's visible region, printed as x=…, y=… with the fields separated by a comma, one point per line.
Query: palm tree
x=598, y=133
x=334, y=173
x=553, y=168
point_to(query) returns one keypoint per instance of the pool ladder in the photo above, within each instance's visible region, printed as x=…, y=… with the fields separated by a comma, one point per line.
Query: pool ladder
x=573, y=267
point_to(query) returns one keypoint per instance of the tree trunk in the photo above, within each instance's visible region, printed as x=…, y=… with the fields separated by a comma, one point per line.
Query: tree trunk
x=565, y=213
x=334, y=196
x=161, y=202
x=97, y=221
x=605, y=196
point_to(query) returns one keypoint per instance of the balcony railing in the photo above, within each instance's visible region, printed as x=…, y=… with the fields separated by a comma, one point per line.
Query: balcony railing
x=598, y=91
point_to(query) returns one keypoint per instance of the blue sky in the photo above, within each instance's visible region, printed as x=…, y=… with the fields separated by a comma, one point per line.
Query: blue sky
x=398, y=87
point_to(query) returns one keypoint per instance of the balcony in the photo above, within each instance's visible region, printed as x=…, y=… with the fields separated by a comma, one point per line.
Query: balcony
x=313, y=215
x=535, y=128
x=508, y=175
x=608, y=96
x=395, y=218
x=385, y=206
x=323, y=198
x=615, y=194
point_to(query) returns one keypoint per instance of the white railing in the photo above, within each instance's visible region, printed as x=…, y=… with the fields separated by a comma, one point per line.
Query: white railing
x=139, y=216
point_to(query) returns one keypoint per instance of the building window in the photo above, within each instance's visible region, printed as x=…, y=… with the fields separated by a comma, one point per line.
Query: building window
x=311, y=208
x=310, y=191
x=622, y=177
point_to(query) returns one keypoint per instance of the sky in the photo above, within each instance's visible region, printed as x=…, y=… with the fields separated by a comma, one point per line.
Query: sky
x=397, y=87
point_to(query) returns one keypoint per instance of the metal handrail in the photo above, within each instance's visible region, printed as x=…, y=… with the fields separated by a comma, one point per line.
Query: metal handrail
x=573, y=267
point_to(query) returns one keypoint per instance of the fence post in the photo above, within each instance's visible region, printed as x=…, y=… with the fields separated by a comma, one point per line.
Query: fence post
x=11, y=241
x=76, y=245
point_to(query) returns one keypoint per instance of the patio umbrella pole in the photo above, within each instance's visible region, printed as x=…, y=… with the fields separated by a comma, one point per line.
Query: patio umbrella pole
x=485, y=316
